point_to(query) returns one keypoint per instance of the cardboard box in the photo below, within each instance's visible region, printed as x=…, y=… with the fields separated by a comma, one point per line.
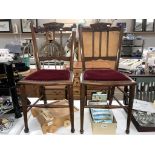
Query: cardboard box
x=103, y=128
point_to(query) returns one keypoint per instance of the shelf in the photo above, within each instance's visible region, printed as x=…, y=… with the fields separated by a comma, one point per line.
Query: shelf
x=132, y=45
x=149, y=32
x=69, y=32
x=15, y=33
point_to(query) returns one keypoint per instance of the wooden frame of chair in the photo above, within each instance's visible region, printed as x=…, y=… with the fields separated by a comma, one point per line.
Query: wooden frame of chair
x=43, y=83
x=98, y=43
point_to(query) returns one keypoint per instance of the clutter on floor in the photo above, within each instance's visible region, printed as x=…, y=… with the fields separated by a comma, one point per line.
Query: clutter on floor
x=103, y=121
x=6, y=124
x=51, y=119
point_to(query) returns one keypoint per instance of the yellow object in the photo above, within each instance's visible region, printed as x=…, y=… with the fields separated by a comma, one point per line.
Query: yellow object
x=51, y=119
x=67, y=123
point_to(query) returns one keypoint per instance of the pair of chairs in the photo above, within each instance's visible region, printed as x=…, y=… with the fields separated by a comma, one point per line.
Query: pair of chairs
x=97, y=42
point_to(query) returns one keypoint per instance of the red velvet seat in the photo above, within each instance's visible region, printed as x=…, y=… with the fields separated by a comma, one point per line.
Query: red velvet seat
x=104, y=75
x=49, y=75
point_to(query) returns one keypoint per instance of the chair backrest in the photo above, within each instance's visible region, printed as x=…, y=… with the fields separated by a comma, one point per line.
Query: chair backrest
x=100, y=45
x=53, y=51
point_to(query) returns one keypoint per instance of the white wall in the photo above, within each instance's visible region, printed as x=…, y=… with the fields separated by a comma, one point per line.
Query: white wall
x=8, y=38
x=149, y=39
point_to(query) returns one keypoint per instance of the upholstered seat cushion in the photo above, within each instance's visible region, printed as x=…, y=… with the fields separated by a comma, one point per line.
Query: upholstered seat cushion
x=104, y=75
x=49, y=75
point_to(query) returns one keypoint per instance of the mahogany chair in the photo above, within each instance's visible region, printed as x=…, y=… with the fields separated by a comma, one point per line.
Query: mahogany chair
x=100, y=48
x=55, y=76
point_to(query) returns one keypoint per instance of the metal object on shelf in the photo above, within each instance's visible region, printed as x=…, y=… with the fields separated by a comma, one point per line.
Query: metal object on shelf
x=146, y=119
x=132, y=46
x=6, y=124
x=5, y=55
x=5, y=104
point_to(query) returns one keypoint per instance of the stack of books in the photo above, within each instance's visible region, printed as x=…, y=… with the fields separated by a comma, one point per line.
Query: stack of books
x=101, y=115
x=98, y=98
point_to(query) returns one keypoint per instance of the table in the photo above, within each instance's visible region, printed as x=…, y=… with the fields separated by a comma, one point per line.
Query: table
x=145, y=88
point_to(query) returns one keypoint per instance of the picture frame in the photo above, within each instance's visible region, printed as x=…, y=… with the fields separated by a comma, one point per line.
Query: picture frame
x=25, y=25
x=138, y=25
x=5, y=25
x=144, y=25
x=150, y=25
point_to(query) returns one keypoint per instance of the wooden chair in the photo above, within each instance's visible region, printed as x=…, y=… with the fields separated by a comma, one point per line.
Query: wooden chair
x=45, y=77
x=100, y=48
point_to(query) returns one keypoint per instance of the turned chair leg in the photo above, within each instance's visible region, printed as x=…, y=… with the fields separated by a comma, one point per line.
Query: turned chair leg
x=71, y=107
x=24, y=107
x=111, y=95
x=131, y=97
x=125, y=98
x=82, y=103
x=43, y=94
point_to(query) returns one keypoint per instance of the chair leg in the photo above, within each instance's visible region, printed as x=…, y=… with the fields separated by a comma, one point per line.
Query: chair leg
x=85, y=95
x=131, y=97
x=24, y=107
x=42, y=93
x=71, y=107
x=111, y=95
x=82, y=103
x=66, y=95
x=125, y=98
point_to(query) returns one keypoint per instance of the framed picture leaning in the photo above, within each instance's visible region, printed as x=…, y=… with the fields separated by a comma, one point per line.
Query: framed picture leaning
x=25, y=25
x=5, y=25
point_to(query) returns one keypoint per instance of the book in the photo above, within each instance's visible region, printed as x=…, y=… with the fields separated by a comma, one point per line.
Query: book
x=101, y=115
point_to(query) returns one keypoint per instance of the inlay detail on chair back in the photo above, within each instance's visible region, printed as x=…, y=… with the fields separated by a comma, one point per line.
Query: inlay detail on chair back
x=100, y=43
x=53, y=52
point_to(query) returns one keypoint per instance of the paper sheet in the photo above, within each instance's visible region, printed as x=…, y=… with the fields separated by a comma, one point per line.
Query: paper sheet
x=143, y=106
